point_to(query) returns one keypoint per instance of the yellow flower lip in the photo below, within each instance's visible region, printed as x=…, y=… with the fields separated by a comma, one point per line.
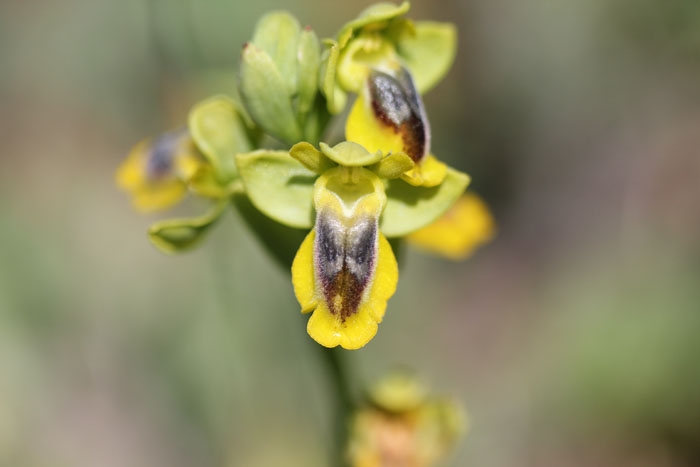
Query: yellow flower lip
x=345, y=270
x=156, y=171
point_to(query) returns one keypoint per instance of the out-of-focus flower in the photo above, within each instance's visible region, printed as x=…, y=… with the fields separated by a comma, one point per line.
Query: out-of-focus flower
x=345, y=270
x=466, y=226
x=388, y=116
x=403, y=426
x=157, y=171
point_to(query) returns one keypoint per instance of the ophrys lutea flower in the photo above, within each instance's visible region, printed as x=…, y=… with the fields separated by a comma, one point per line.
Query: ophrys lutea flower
x=389, y=116
x=345, y=270
x=157, y=171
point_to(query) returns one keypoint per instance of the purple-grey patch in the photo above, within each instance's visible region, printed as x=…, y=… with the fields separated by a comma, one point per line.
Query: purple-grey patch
x=345, y=260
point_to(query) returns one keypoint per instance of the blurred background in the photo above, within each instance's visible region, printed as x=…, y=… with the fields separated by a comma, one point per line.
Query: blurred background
x=573, y=338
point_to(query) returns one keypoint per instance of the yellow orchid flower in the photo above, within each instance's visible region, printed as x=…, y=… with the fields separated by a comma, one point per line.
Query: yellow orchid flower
x=404, y=426
x=389, y=116
x=156, y=171
x=345, y=270
x=466, y=226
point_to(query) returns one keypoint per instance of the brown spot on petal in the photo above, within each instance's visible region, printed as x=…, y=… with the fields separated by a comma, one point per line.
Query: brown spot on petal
x=396, y=104
x=344, y=260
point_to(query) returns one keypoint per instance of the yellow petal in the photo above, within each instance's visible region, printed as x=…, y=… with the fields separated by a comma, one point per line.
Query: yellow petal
x=385, y=278
x=362, y=128
x=329, y=331
x=430, y=172
x=131, y=173
x=463, y=228
x=303, y=274
x=158, y=196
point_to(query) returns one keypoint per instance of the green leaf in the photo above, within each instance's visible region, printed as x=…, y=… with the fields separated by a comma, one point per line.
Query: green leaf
x=279, y=186
x=377, y=13
x=309, y=61
x=428, y=52
x=310, y=157
x=176, y=235
x=409, y=208
x=350, y=154
x=277, y=33
x=393, y=165
x=266, y=95
x=219, y=134
x=280, y=241
x=336, y=98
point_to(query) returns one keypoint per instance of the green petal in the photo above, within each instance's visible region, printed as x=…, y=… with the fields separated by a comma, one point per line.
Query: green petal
x=176, y=235
x=376, y=13
x=409, y=208
x=309, y=60
x=277, y=33
x=336, y=98
x=279, y=186
x=266, y=96
x=350, y=154
x=219, y=134
x=428, y=52
x=310, y=157
x=393, y=165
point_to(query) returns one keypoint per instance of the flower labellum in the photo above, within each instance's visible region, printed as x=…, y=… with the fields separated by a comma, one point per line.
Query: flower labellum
x=156, y=172
x=345, y=270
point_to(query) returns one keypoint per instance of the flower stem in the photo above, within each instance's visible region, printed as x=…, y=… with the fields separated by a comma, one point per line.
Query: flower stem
x=338, y=375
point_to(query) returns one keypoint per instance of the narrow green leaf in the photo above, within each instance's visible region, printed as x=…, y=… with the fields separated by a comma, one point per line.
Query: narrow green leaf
x=177, y=235
x=428, y=52
x=336, y=98
x=409, y=208
x=266, y=95
x=279, y=186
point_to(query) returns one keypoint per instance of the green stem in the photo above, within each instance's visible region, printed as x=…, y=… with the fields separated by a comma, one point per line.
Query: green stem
x=338, y=375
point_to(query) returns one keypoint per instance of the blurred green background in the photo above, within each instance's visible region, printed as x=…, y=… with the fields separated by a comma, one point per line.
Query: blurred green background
x=573, y=338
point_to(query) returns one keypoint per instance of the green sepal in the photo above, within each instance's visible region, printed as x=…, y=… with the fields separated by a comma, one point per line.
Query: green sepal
x=361, y=55
x=316, y=121
x=393, y=165
x=277, y=33
x=409, y=208
x=428, y=50
x=266, y=96
x=279, y=186
x=308, y=63
x=377, y=13
x=336, y=98
x=310, y=157
x=350, y=154
x=219, y=134
x=280, y=241
x=177, y=235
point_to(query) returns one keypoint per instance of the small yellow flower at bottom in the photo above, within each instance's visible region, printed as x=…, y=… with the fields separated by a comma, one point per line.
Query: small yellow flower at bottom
x=466, y=226
x=156, y=172
x=345, y=270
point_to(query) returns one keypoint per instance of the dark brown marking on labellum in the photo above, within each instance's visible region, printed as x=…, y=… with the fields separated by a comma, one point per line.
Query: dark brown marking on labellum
x=397, y=104
x=161, y=156
x=345, y=261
